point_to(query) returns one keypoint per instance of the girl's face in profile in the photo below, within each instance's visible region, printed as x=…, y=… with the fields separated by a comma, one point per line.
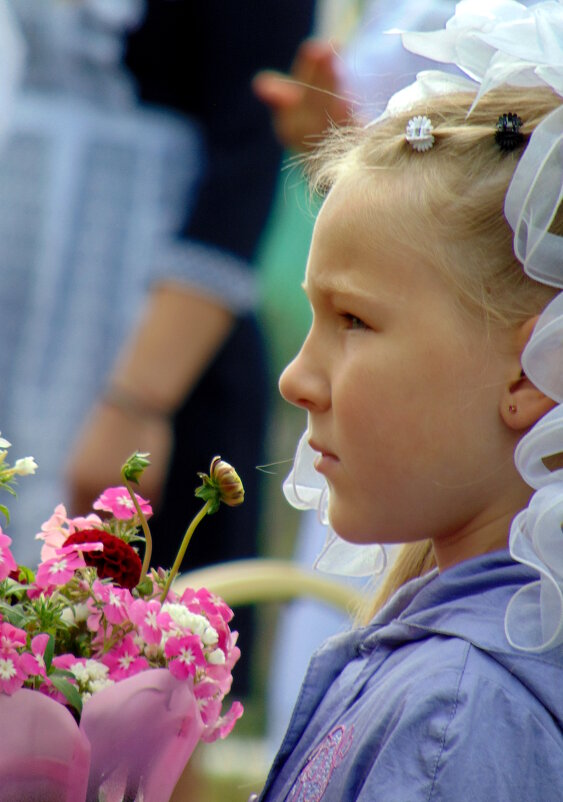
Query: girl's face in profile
x=402, y=389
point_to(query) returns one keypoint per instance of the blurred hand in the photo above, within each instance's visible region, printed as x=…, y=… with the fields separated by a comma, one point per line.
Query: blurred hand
x=109, y=436
x=304, y=103
x=177, y=336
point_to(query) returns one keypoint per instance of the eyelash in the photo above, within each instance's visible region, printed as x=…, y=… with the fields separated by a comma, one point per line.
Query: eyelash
x=354, y=322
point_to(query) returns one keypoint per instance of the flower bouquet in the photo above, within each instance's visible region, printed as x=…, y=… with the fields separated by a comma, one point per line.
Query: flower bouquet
x=108, y=678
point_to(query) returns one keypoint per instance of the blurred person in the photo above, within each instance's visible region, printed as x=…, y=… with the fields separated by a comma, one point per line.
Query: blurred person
x=86, y=193
x=196, y=358
x=138, y=158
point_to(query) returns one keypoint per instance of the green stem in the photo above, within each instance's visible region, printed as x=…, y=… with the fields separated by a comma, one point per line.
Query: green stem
x=144, y=527
x=185, y=542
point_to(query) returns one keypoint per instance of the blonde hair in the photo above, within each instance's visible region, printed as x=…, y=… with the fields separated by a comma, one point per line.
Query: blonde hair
x=413, y=560
x=456, y=191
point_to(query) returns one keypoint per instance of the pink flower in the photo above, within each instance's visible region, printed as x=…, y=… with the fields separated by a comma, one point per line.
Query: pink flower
x=221, y=677
x=118, y=501
x=34, y=664
x=84, y=522
x=115, y=602
x=12, y=672
x=186, y=654
x=11, y=638
x=208, y=701
x=59, y=569
x=124, y=660
x=213, y=605
x=12, y=668
x=55, y=531
x=7, y=562
x=224, y=724
x=66, y=661
x=149, y=621
x=94, y=620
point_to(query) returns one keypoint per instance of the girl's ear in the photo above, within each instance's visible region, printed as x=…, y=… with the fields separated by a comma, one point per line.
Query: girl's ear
x=522, y=403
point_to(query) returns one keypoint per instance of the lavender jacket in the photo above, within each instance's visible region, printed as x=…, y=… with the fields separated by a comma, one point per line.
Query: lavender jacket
x=429, y=703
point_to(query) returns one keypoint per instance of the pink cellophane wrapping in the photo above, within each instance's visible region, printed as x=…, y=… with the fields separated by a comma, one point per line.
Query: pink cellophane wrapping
x=134, y=740
x=142, y=732
x=44, y=756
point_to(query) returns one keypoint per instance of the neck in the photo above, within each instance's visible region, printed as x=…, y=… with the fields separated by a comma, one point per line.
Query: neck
x=486, y=533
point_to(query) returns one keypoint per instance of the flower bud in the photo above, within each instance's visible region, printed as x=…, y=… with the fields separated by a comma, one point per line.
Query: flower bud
x=223, y=484
x=228, y=481
x=133, y=468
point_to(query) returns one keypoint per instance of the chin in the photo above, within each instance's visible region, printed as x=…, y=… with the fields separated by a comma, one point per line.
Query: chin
x=351, y=529
x=361, y=530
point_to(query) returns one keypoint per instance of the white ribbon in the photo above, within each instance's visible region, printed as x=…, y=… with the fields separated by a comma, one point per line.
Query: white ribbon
x=541, y=442
x=306, y=489
x=542, y=358
x=499, y=42
x=532, y=200
x=534, y=616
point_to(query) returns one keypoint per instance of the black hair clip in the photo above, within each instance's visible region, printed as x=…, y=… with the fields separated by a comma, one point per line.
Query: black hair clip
x=507, y=135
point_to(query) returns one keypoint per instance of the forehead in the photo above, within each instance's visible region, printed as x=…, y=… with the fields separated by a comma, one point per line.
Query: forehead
x=361, y=241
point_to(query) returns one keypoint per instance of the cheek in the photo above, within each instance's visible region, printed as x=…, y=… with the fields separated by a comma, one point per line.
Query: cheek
x=377, y=402
x=402, y=418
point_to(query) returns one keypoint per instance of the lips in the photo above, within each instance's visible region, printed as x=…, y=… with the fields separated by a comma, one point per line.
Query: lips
x=324, y=458
x=324, y=452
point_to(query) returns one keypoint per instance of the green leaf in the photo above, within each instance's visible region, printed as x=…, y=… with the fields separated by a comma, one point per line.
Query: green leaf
x=62, y=672
x=14, y=615
x=207, y=492
x=27, y=574
x=5, y=512
x=145, y=587
x=49, y=652
x=68, y=691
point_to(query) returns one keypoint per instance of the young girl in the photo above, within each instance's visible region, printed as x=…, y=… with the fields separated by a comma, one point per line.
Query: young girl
x=426, y=365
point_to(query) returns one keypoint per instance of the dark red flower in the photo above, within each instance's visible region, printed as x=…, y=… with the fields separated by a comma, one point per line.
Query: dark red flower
x=117, y=560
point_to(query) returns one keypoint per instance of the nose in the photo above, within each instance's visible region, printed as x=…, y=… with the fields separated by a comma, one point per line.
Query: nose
x=304, y=384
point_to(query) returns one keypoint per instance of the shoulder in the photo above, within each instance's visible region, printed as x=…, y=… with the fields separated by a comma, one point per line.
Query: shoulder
x=464, y=728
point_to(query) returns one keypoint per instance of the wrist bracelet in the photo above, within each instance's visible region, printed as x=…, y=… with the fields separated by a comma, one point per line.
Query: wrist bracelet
x=132, y=404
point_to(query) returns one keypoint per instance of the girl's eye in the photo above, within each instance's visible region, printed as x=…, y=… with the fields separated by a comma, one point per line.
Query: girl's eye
x=353, y=322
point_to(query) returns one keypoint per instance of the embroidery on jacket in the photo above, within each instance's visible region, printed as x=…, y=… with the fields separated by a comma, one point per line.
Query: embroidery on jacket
x=314, y=778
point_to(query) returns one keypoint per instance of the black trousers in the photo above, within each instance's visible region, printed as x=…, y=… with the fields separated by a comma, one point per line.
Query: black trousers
x=225, y=415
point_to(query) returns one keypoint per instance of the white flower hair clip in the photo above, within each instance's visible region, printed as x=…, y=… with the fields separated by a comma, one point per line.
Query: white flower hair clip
x=419, y=133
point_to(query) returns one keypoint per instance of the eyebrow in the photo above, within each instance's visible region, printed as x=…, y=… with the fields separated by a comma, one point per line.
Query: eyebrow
x=337, y=288
x=334, y=287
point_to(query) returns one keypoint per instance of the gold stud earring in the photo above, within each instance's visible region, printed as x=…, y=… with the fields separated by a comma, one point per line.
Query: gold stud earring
x=513, y=409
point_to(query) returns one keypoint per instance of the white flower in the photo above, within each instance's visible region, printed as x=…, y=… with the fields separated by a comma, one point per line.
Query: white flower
x=75, y=614
x=210, y=636
x=96, y=671
x=216, y=657
x=80, y=672
x=419, y=133
x=4, y=443
x=89, y=672
x=197, y=624
x=25, y=466
x=99, y=684
x=7, y=668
